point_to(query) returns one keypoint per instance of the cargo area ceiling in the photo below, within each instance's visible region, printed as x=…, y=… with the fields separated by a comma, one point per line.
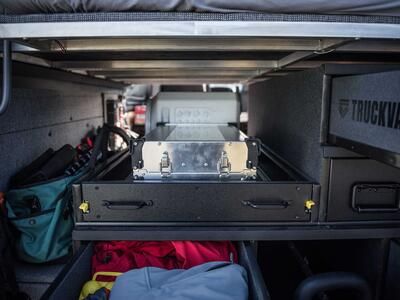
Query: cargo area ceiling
x=182, y=47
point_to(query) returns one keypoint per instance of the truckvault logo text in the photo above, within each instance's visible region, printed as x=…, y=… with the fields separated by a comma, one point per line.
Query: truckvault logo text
x=343, y=107
x=379, y=113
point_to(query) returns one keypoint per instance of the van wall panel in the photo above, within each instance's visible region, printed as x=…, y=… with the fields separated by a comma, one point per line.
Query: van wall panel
x=46, y=113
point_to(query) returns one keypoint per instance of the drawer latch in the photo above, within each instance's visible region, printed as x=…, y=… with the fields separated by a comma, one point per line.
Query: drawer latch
x=309, y=204
x=165, y=165
x=224, y=166
x=84, y=207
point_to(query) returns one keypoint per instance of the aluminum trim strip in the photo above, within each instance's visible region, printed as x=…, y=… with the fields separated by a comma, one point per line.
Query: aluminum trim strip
x=198, y=29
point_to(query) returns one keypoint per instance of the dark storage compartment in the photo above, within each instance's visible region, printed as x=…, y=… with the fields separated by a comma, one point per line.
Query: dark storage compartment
x=69, y=283
x=363, y=189
x=286, y=265
x=391, y=285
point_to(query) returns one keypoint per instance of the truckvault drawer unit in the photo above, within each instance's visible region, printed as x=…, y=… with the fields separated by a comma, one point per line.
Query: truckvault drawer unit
x=197, y=172
x=325, y=109
x=278, y=194
x=195, y=152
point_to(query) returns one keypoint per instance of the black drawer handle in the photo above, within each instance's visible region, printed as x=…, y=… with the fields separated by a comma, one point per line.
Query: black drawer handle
x=271, y=204
x=361, y=209
x=126, y=205
x=368, y=198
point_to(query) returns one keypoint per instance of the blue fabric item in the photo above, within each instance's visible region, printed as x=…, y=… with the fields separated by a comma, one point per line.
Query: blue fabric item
x=100, y=294
x=213, y=280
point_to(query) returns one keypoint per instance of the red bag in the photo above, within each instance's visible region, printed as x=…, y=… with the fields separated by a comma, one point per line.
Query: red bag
x=122, y=256
x=190, y=254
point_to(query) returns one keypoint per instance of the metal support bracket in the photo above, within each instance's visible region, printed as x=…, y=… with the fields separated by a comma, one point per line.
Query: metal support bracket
x=136, y=146
x=5, y=99
x=254, y=151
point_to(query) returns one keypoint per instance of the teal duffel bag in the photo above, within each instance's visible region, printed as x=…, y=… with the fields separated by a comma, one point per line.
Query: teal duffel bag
x=42, y=212
x=45, y=235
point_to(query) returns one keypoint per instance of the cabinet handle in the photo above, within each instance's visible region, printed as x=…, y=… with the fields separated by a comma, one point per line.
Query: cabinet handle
x=368, y=198
x=361, y=209
x=126, y=205
x=267, y=204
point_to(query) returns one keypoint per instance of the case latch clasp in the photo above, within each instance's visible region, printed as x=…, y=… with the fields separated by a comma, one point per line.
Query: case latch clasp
x=224, y=166
x=165, y=165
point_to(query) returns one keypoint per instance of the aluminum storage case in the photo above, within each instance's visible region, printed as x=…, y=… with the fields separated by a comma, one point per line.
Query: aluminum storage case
x=190, y=137
x=195, y=152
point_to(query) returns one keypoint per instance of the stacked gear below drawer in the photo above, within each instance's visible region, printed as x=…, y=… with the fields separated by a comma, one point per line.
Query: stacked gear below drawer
x=161, y=270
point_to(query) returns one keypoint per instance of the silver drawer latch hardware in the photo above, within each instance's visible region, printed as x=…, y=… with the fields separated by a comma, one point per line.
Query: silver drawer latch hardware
x=224, y=166
x=165, y=165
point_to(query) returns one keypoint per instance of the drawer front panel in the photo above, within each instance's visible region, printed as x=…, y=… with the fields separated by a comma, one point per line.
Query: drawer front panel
x=365, y=109
x=195, y=202
x=363, y=190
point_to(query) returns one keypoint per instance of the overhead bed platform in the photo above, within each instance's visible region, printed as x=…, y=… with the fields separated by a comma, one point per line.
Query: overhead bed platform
x=366, y=7
x=171, y=47
x=198, y=24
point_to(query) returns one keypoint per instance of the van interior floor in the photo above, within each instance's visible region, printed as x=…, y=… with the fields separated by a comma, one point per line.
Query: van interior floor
x=35, y=279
